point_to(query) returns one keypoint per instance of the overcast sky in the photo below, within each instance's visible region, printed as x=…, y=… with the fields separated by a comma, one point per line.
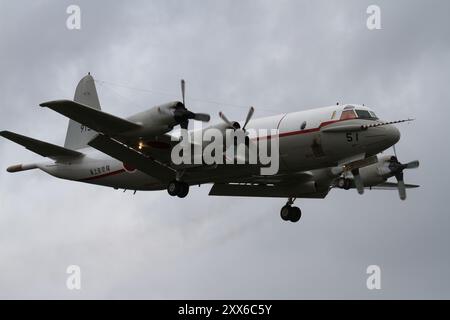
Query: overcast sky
x=280, y=56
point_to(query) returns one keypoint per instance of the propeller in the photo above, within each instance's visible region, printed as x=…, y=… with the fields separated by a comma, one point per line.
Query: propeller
x=234, y=124
x=182, y=115
x=359, y=184
x=396, y=168
x=183, y=91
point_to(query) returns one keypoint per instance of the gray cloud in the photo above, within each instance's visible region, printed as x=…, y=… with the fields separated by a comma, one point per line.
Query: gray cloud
x=278, y=56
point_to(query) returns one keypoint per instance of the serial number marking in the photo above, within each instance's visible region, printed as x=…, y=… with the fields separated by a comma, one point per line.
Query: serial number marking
x=100, y=170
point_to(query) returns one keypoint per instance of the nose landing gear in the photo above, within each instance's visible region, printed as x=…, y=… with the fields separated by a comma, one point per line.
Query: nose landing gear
x=290, y=213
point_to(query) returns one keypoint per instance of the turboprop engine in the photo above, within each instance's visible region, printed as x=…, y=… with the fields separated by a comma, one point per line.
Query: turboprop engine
x=378, y=173
x=163, y=118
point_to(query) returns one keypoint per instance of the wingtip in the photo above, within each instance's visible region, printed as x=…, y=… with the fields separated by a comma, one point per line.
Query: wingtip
x=54, y=103
x=45, y=104
x=4, y=133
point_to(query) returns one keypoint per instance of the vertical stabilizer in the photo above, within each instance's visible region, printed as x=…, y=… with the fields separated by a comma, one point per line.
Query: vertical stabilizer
x=78, y=135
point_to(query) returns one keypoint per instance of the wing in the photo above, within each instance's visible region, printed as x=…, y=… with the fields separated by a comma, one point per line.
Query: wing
x=94, y=119
x=42, y=148
x=266, y=191
x=133, y=157
x=391, y=186
x=157, y=147
x=298, y=185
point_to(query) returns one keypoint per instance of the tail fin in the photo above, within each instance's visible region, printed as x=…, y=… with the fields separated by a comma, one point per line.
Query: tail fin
x=78, y=135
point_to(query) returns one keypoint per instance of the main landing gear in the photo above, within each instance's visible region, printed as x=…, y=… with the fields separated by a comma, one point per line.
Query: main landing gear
x=290, y=213
x=344, y=183
x=178, y=188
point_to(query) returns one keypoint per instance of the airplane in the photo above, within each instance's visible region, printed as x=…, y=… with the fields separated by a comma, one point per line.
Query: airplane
x=334, y=147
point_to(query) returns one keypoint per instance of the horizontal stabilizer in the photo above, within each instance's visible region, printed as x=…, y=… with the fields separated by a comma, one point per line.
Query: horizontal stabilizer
x=92, y=118
x=132, y=158
x=40, y=147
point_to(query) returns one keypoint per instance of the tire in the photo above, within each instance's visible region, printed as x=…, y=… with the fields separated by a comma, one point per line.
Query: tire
x=295, y=214
x=347, y=184
x=285, y=213
x=184, y=190
x=341, y=183
x=174, y=188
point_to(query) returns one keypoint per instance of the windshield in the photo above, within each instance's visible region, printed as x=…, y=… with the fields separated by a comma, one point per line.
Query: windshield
x=365, y=114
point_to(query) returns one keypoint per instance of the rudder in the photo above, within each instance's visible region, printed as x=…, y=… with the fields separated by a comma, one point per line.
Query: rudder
x=79, y=135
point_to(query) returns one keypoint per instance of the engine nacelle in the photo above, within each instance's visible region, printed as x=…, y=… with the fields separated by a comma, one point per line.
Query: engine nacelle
x=378, y=172
x=156, y=121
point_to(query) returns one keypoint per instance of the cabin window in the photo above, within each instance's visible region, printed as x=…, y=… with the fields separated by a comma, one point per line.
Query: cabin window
x=303, y=126
x=348, y=114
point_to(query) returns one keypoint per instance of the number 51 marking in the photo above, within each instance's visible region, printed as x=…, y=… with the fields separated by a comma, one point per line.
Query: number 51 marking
x=352, y=137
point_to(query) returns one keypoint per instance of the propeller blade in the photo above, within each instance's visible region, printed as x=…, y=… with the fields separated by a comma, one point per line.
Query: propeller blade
x=402, y=190
x=184, y=124
x=401, y=186
x=359, y=184
x=203, y=117
x=412, y=165
x=183, y=90
x=225, y=119
x=249, y=116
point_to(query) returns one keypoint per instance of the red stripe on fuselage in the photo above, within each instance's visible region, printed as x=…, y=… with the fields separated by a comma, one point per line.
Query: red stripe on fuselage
x=293, y=133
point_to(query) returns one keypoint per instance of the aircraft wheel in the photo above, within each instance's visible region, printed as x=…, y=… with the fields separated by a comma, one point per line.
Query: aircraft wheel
x=174, y=188
x=285, y=213
x=344, y=183
x=184, y=190
x=295, y=214
x=347, y=184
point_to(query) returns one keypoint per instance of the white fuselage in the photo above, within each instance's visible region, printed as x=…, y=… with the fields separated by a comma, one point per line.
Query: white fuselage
x=303, y=146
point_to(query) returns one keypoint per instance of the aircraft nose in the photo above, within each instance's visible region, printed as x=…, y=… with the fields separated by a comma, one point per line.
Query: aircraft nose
x=392, y=134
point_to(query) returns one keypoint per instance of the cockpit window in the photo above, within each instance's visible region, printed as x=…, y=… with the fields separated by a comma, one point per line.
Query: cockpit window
x=365, y=114
x=348, y=114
